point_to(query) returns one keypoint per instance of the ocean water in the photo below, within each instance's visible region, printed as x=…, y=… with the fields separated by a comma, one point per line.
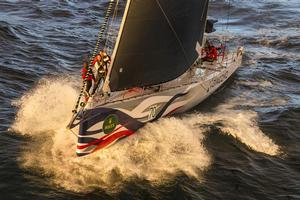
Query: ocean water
x=241, y=143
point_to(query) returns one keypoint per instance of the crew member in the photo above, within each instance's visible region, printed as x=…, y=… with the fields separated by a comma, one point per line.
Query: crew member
x=106, y=58
x=102, y=60
x=86, y=71
x=211, y=52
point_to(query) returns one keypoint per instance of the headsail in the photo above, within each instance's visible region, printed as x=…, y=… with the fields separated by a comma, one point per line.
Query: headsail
x=158, y=42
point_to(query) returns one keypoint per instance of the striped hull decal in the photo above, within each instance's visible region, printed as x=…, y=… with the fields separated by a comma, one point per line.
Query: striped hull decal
x=90, y=141
x=91, y=134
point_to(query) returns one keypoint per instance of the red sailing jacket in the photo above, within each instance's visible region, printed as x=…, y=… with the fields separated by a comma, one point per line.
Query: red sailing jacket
x=84, y=72
x=212, y=53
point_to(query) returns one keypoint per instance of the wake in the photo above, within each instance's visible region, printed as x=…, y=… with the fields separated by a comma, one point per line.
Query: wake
x=156, y=153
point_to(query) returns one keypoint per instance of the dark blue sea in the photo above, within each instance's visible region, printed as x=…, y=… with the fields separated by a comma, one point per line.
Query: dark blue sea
x=241, y=143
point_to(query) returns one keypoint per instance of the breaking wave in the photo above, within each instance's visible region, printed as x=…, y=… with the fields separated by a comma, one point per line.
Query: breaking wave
x=45, y=108
x=157, y=153
x=242, y=125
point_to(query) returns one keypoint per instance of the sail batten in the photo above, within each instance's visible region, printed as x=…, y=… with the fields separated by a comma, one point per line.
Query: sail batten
x=157, y=42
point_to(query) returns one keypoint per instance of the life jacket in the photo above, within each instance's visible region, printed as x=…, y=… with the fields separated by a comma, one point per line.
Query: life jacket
x=98, y=58
x=102, y=58
x=106, y=58
x=84, y=72
x=211, y=53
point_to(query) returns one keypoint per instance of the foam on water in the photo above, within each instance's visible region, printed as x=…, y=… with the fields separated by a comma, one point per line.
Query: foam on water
x=242, y=125
x=157, y=153
x=262, y=83
x=45, y=108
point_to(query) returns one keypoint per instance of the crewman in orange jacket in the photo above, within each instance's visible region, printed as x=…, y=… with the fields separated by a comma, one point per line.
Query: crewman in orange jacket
x=103, y=60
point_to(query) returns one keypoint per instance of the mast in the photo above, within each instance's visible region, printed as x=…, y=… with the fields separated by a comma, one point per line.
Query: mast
x=107, y=80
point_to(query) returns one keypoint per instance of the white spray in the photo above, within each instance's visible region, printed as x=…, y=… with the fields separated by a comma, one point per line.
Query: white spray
x=156, y=153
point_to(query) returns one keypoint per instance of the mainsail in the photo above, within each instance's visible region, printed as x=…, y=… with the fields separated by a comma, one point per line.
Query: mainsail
x=157, y=42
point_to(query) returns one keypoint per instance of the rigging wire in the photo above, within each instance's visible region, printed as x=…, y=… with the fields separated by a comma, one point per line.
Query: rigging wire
x=113, y=20
x=225, y=24
x=176, y=35
x=173, y=30
x=102, y=28
x=228, y=14
x=227, y=28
